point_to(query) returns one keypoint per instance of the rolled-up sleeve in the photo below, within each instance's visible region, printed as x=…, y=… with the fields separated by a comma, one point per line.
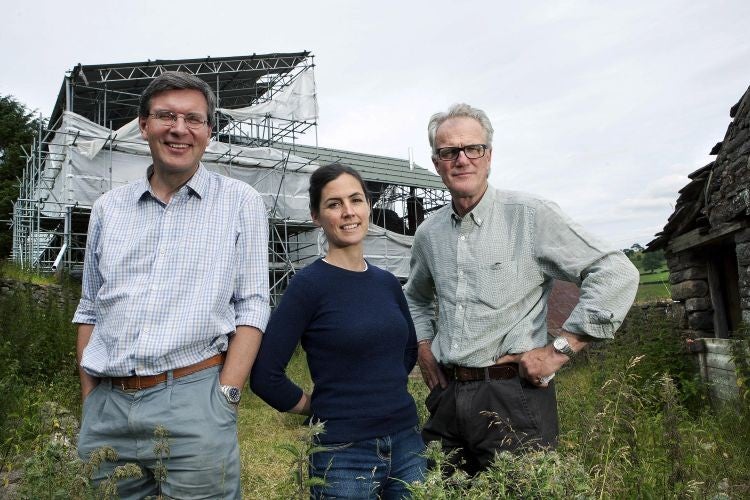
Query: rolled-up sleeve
x=92, y=278
x=251, y=295
x=607, y=278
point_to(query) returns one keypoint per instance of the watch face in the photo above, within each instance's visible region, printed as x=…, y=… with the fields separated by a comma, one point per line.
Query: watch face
x=233, y=394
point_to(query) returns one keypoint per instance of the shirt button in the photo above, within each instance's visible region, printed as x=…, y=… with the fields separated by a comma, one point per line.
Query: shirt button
x=161, y=252
x=145, y=331
x=463, y=237
x=460, y=307
x=460, y=273
x=479, y=221
x=455, y=346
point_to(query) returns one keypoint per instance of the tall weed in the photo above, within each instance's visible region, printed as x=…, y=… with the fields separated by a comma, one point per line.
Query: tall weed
x=37, y=365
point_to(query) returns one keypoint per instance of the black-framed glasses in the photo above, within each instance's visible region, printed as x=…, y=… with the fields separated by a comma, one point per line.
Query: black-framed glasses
x=472, y=152
x=169, y=119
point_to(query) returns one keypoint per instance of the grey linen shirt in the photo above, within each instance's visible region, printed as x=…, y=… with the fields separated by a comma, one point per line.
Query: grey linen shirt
x=491, y=273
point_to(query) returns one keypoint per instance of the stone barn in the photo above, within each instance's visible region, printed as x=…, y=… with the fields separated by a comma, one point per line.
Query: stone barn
x=707, y=245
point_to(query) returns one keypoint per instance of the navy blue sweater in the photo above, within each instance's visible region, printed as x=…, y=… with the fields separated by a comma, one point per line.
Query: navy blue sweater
x=359, y=338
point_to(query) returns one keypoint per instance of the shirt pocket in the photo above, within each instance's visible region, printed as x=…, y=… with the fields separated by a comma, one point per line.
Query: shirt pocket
x=497, y=283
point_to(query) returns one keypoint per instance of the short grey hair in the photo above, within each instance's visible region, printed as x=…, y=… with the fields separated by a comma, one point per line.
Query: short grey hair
x=458, y=111
x=177, y=80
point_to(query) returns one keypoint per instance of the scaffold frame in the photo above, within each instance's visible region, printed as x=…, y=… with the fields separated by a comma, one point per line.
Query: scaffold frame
x=49, y=231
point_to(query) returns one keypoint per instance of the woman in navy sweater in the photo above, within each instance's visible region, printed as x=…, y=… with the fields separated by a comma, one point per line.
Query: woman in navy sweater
x=354, y=325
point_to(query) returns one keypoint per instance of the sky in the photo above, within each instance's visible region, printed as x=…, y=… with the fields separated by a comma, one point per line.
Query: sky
x=603, y=106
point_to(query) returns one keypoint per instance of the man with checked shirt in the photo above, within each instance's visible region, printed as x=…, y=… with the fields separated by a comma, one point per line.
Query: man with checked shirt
x=488, y=261
x=174, y=300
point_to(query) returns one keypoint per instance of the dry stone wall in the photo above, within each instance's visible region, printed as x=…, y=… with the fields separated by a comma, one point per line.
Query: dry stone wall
x=743, y=268
x=729, y=189
x=40, y=293
x=689, y=280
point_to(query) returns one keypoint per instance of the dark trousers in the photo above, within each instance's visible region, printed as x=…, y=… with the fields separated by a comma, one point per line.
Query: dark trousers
x=477, y=419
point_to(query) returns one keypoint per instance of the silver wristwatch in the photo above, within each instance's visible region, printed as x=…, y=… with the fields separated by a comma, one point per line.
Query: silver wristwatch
x=562, y=346
x=232, y=393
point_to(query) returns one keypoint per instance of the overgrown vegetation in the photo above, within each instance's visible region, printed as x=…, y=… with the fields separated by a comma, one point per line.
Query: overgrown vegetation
x=14, y=272
x=635, y=423
x=634, y=417
x=37, y=368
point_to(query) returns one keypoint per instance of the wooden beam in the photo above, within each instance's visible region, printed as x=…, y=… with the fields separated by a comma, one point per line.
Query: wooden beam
x=718, y=301
x=694, y=238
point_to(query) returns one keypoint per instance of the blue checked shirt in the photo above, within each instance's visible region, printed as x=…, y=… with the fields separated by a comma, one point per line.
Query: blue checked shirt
x=491, y=273
x=165, y=285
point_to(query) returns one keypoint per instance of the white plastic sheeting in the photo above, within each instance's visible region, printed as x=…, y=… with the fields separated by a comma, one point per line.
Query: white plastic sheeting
x=383, y=248
x=89, y=160
x=295, y=102
x=97, y=159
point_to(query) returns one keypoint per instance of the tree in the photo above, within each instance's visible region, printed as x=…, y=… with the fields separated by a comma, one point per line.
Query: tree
x=17, y=129
x=652, y=260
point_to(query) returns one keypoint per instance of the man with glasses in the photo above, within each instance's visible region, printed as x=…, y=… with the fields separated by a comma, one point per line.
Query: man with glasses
x=173, y=303
x=488, y=261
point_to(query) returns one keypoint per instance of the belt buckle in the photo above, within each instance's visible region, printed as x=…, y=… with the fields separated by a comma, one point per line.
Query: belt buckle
x=128, y=389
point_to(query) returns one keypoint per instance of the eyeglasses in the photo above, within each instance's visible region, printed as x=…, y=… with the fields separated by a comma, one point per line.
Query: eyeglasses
x=169, y=119
x=472, y=152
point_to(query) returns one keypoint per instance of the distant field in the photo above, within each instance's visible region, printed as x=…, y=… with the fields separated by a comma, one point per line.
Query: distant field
x=657, y=277
x=653, y=286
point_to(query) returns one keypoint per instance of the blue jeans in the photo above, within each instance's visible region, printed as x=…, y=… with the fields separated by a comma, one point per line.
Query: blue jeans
x=203, y=460
x=373, y=468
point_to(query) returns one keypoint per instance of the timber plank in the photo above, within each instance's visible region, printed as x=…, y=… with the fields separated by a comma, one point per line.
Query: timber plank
x=695, y=238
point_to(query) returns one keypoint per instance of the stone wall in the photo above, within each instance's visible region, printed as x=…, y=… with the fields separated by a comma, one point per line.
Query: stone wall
x=688, y=277
x=40, y=293
x=729, y=189
x=727, y=203
x=743, y=267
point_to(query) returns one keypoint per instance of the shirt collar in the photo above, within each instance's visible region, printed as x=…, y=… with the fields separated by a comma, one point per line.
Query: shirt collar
x=198, y=183
x=480, y=212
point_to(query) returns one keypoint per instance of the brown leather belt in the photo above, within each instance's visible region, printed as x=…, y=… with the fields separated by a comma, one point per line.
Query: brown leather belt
x=495, y=372
x=137, y=382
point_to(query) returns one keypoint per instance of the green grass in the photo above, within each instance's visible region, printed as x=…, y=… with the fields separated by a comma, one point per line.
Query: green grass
x=266, y=468
x=13, y=271
x=627, y=431
x=651, y=292
x=655, y=277
x=654, y=286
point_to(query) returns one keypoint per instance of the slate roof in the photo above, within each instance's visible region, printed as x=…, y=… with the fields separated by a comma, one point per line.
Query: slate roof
x=378, y=168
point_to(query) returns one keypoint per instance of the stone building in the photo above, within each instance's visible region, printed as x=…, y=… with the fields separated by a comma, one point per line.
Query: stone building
x=707, y=238
x=707, y=244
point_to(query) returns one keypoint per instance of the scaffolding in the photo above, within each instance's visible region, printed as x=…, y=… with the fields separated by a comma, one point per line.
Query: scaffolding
x=265, y=104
